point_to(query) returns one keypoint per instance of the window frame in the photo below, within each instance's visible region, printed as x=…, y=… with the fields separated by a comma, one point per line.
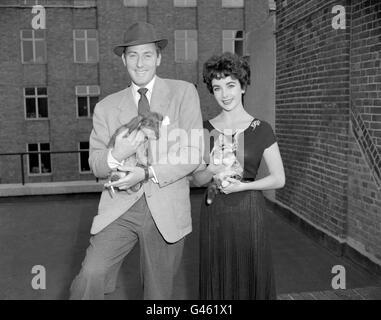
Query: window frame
x=185, y=3
x=243, y=39
x=186, y=40
x=23, y=3
x=36, y=96
x=84, y=3
x=85, y=39
x=39, y=160
x=79, y=157
x=88, y=95
x=33, y=40
x=135, y=4
x=226, y=4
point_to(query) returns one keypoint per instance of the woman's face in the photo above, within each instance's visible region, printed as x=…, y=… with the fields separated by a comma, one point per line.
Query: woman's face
x=228, y=92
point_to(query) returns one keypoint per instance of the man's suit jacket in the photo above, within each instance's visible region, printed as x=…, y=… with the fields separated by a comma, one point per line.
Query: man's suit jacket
x=169, y=200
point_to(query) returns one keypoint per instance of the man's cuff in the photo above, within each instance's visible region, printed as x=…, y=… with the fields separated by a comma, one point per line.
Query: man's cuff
x=112, y=162
x=154, y=178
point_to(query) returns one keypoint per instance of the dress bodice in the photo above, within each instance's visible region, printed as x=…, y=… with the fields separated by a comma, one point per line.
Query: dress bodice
x=251, y=143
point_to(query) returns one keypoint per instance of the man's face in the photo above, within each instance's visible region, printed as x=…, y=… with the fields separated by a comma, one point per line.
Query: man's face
x=142, y=61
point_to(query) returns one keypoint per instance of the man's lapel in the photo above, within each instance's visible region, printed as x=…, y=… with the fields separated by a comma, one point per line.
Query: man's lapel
x=160, y=97
x=127, y=107
x=159, y=103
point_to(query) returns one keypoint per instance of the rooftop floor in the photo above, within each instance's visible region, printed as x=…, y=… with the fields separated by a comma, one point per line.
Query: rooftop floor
x=53, y=231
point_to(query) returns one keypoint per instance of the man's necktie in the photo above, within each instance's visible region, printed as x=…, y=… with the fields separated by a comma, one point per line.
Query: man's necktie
x=143, y=108
x=143, y=105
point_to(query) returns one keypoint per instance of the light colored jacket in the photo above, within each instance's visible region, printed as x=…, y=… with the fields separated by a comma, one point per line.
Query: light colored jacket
x=169, y=200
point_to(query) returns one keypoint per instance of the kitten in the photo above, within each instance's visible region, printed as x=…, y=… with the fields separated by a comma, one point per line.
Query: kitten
x=233, y=170
x=149, y=124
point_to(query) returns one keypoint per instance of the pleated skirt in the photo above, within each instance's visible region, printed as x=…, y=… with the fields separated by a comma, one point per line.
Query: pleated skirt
x=235, y=252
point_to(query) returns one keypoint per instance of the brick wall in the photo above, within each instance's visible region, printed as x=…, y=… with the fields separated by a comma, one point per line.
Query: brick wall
x=312, y=112
x=60, y=75
x=364, y=169
x=320, y=71
x=63, y=130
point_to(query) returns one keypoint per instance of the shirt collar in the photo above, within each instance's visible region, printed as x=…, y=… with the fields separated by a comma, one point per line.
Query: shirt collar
x=149, y=86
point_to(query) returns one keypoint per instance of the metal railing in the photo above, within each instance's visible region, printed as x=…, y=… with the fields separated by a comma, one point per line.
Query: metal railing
x=21, y=156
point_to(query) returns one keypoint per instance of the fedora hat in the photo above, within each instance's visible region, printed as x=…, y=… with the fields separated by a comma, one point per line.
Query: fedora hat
x=140, y=33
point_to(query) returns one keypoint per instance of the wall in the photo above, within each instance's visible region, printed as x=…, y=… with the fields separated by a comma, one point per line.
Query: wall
x=327, y=118
x=60, y=75
x=364, y=161
x=260, y=95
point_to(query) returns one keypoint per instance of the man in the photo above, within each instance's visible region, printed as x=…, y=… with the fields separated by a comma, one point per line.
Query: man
x=158, y=215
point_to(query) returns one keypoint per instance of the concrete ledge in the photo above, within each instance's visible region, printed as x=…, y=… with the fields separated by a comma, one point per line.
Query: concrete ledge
x=339, y=247
x=48, y=188
x=368, y=293
x=56, y=188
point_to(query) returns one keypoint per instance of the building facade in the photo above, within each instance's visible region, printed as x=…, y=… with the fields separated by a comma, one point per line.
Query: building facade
x=53, y=73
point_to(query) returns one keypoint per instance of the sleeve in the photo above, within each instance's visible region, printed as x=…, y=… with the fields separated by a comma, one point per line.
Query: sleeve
x=267, y=135
x=98, y=145
x=112, y=162
x=208, y=145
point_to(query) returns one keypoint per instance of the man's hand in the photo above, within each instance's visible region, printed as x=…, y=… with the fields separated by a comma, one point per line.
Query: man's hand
x=126, y=146
x=133, y=177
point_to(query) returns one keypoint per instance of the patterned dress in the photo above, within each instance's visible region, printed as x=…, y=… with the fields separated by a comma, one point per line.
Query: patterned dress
x=235, y=253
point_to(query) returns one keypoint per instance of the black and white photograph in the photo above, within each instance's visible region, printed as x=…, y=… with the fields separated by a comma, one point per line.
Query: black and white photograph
x=191, y=153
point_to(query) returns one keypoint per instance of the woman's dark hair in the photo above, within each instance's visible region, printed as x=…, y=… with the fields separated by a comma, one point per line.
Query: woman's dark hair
x=225, y=65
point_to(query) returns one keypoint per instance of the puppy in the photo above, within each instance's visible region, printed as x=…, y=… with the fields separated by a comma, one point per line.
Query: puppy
x=149, y=124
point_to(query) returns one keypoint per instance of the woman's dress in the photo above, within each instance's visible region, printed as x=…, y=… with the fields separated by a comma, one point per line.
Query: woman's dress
x=235, y=253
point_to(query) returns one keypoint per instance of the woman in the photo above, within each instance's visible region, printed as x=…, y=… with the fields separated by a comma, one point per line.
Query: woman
x=235, y=255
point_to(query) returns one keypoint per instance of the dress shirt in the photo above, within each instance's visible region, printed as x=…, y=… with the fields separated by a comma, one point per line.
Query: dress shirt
x=112, y=162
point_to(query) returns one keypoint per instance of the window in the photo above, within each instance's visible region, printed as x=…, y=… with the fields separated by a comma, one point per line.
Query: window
x=84, y=3
x=86, y=46
x=32, y=2
x=233, y=41
x=233, y=3
x=185, y=45
x=135, y=3
x=272, y=5
x=84, y=157
x=39, y=161
x=185, y=3
x=33, y=46
x=87, y=98
x=36, y=103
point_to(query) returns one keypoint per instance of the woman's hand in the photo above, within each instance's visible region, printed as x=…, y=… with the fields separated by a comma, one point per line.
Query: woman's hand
x=234, y=186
